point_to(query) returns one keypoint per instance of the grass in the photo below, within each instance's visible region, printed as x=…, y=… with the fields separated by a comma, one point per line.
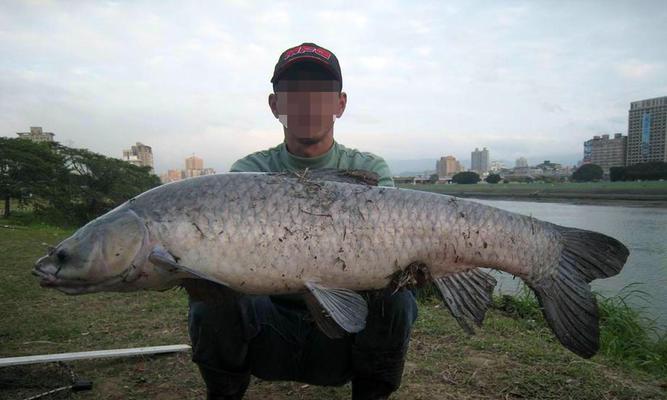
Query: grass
x=513, y=356
x=653, y=191
x=627, y=339
x=593, y=187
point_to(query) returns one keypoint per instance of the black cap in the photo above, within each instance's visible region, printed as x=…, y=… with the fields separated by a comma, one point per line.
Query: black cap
x=308, y=52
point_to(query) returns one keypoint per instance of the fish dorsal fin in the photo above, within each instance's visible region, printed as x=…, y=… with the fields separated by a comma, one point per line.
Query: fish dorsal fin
x=162, y=258
x=346, y=307
x=326, y=324
x=467, y=295
x=355, y=176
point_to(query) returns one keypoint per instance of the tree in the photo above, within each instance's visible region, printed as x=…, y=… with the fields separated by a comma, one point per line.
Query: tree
x=433, y=178
x=26, y=169
x=587, y=173
x=96, y=184
x=69, y=185
x=649, y=171
x=616, y=174
x=493, y=178
x=466, y=177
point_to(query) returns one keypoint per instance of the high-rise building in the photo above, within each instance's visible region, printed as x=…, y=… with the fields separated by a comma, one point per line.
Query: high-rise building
x=647, y=131
x=194, y=162
x=496, y=166
x=448, y=166
x=194, y=166
x=36, y=135
x=171, y=175
x=605, y=151
x=521, y=162
x=479, y=161
x=139, y=155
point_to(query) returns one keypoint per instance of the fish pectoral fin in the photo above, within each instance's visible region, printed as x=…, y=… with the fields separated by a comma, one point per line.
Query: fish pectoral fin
x=344, y=306
x=467, y=295
x=322, y=318
x=162, y=258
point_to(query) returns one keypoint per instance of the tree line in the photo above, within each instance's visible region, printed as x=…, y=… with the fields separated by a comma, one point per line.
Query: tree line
x=650, y=171
x=585, y=173
x=64, y=184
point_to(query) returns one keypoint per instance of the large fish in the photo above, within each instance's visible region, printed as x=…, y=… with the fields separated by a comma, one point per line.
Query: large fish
x=329, y=234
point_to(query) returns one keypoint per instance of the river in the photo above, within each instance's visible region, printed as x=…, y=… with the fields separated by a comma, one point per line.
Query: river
x=642, y=229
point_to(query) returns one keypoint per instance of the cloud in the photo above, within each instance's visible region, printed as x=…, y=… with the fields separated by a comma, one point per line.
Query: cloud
x=551, y=107
x=635, y=69
x=343, y=18
x=423, y=79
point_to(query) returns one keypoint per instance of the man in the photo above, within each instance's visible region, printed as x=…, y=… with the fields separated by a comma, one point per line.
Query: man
x=275, y=337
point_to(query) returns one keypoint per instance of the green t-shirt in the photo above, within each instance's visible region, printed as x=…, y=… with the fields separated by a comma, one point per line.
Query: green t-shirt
x=278, y=159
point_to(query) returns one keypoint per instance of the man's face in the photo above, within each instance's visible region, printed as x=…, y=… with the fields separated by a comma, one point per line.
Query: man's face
x=307, y=109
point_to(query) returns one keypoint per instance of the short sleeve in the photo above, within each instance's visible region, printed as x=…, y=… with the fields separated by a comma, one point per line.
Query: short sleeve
x=243, y=165
x=380, y=167
x=251, y=163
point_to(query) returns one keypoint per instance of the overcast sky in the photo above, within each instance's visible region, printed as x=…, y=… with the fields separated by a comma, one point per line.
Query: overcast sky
x=531, y=79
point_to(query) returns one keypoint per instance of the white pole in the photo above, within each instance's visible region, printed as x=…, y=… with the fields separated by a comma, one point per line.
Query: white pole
x=137, y=351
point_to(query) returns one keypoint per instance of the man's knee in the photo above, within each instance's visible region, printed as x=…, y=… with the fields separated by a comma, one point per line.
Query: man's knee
x=378, y=352
x=390, y=320
x=217, y=337
x=400, y=307
x=224, y=384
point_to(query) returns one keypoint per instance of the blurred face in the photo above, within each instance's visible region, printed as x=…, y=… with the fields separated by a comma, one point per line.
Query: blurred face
x=307, y=109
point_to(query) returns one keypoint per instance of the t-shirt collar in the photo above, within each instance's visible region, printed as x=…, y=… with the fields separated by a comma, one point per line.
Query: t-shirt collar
x=296, y=162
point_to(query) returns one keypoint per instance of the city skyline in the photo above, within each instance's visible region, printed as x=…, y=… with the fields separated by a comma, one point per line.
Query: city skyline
x=596, y=151
x=141, y=154
x=194, y=166
x=196, y=77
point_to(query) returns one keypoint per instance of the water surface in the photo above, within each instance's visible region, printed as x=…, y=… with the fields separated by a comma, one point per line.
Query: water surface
x=642, y=229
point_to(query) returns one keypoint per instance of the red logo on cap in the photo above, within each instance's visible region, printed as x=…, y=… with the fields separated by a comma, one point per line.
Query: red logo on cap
x=306, y=49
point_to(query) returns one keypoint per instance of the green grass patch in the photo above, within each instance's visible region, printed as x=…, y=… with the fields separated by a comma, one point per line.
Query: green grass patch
x=654, y=192
x=567, y=187
x=626, y=338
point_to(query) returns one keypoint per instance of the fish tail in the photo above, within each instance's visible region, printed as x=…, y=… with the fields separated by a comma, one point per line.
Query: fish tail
x=565, y=296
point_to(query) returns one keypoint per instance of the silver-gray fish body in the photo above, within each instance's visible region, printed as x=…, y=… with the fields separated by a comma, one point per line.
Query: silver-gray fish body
x=262, y=233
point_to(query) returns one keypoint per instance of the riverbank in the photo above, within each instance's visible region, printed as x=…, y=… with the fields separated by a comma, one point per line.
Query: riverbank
x=643, y=194
x=513, y=356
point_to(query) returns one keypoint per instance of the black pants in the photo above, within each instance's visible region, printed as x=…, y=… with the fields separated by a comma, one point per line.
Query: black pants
x=276, y=339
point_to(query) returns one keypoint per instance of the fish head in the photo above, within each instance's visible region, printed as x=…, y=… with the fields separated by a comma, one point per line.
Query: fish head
x=107, y=254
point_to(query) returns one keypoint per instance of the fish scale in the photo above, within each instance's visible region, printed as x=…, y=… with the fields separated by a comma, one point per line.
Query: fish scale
x=382, y=224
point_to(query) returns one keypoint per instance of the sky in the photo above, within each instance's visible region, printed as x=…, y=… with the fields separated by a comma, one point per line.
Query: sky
x=424, y=79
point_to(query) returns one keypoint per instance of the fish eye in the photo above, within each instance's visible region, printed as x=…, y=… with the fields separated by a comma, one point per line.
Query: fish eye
x=62, y=256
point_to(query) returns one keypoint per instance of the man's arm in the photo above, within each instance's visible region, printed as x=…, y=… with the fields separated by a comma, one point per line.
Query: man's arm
x=376, y=164
x=250, y=163
x=381, y=168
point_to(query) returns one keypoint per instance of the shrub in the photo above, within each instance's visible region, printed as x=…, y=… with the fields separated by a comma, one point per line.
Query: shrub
x=587, y=173
x=467, y=177
x=493, y=178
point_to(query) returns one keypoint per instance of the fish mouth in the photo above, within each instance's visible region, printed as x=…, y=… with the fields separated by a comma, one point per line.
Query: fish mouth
x=73, y=286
